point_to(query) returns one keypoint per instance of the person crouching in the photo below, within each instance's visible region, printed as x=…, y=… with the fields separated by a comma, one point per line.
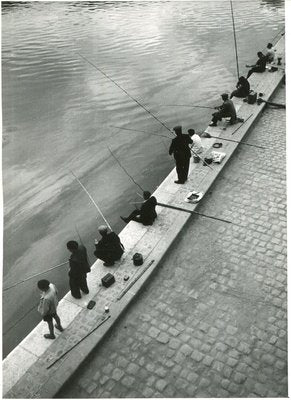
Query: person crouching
x=109, y=248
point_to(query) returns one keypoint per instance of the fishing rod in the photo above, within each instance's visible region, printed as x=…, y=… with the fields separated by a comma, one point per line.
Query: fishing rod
x=235, y=141
x=79, y=236
x=193, y=212
x=125, y=91
x=93, y=201
x=59, y=357
x=127, y=173
x=136, y=130
x=234, y=36
x=278, y=105
x=33, y=276
x=188, y=105
x=20, y=319
x=136, y=101
x=242, y=124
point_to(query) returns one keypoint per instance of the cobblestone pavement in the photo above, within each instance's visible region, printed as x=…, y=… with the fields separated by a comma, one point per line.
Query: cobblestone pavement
x=212, y=322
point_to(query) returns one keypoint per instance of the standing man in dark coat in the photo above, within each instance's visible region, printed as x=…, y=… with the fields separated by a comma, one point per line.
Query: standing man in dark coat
x=147, y=213
x=182, y=154
x=109, y=248
x=227, y=109
x=79, y=267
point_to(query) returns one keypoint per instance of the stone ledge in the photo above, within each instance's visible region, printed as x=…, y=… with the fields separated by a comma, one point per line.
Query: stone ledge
x=34, y=354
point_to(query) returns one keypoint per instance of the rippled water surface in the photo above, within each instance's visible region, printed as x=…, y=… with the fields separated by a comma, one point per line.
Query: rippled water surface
x=60, y=113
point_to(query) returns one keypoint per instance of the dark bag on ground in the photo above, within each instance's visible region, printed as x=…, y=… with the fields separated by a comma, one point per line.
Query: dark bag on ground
x=108, y=280
x=137, y=259
x=207, y=160
x=252, y=97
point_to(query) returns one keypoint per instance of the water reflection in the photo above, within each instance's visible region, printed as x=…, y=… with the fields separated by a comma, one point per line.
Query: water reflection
x=55, y=104
x=274, y=4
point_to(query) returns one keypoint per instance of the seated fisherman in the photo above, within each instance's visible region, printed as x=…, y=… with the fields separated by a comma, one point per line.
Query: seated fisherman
x=196, y=147
x=270, y=53
x=260, y=65
x=147, y=213
x=242, y=88
x=109, y=248
x=227, y=109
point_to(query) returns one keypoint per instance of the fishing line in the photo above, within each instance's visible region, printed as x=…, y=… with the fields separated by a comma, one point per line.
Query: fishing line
x=236, y=141
x=93, y=201
x=187, y=105
x=137, y=130
x=129, y=95
x=234, y=36
x=33, y=276
x=20, y=319
x=192, y=151
x=127, y=173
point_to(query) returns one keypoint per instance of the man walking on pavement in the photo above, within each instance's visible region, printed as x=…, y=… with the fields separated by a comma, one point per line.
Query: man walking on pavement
x=182, y=154
x=48, y=307
x=79, y=267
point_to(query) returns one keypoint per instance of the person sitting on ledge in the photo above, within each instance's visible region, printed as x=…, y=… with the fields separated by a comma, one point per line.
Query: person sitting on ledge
x=109, y=248
x=243, y=88
x=196, y=147
x=260, y=65
x=270, y=54
x=48, y=307
x=147, y=213
x=227, y=109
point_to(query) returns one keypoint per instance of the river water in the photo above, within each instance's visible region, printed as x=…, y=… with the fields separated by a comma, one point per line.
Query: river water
x=61, y=113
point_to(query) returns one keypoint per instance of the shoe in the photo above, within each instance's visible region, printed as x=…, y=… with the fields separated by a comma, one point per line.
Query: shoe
x=179, y=182
x=59, y=328
x=85, y=291
x=77, y=297
x=124, y=220
x=49, y=336
x=108, y=264
x=212, y=124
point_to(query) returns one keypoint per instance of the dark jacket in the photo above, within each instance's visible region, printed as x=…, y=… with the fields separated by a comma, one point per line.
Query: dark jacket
x=147, y=211
x=261, y=63
x=244, y=87
x=180, y=146
x=110, y=244
x=79, y=264
x=227, y=109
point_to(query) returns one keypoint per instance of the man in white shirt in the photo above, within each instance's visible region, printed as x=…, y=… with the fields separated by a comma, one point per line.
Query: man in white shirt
x=270, y=54
x=48, y=307
x=196, y=147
